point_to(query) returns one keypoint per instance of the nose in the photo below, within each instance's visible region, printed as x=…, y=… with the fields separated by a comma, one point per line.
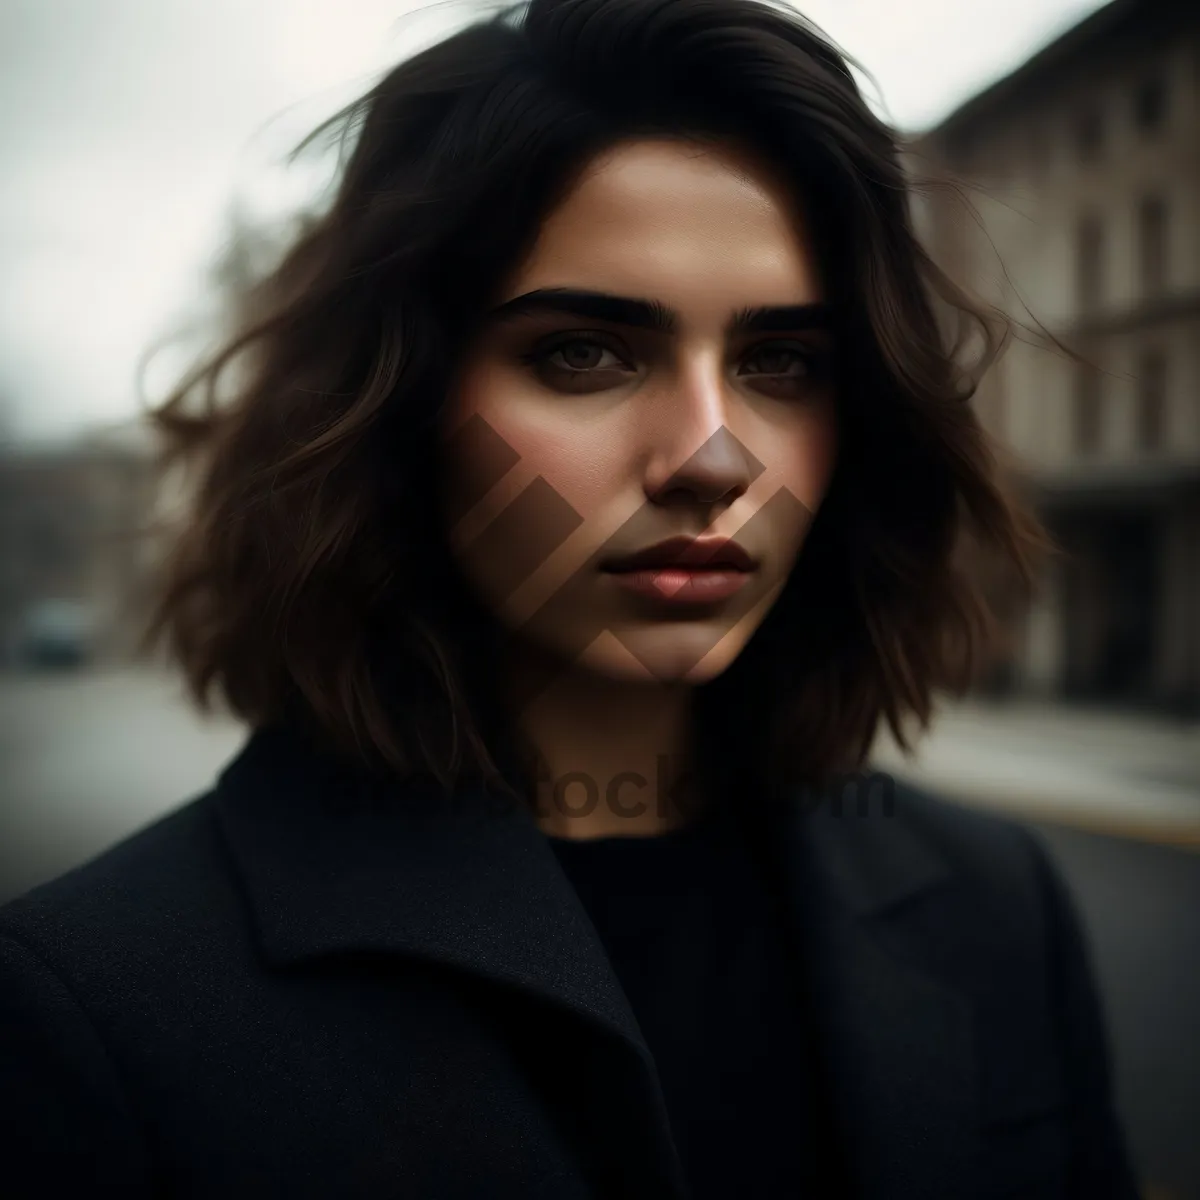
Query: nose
x=697, y=458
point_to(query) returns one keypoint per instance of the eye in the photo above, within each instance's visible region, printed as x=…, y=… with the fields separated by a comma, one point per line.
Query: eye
x=786, y=367
x=580, y=354
x=577, y=363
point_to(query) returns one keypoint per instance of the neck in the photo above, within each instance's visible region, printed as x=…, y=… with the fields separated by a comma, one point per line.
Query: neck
x=613, y=757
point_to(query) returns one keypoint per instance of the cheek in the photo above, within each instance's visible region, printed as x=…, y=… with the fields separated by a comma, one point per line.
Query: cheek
x=526, y=444
x=511, y=450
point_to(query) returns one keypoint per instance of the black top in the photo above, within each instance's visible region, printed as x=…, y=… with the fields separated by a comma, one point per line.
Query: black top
x=695, y=936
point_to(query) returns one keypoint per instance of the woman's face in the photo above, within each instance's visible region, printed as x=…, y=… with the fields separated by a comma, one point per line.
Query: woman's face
x=658, y=367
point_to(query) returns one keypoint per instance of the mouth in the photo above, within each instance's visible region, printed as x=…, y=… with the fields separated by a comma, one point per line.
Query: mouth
x=683, y=554
x=684, y=571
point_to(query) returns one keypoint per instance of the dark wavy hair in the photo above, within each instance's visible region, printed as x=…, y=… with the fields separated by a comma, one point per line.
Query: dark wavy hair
x=310, y=580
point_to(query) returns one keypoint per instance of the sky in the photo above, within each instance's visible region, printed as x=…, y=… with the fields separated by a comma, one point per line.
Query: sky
x=128, y=129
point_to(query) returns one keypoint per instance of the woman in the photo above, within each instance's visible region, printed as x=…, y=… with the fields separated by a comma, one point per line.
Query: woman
x=597, y=480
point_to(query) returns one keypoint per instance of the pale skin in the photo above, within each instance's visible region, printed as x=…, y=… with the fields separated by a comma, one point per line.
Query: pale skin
x=703, y=429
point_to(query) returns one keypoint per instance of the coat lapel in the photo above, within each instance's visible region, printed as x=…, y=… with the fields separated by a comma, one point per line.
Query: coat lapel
x=333, y=861
x=897, y=1043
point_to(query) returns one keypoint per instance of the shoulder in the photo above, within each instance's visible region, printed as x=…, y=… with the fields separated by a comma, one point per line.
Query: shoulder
x=903, y=839
x=1003, y=864
x=1002, y=870
x=90, y=964
x=983, y=844
x=975, y=894
x=163, y=887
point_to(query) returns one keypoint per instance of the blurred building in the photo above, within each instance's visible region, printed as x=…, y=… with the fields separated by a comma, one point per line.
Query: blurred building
x=83, y=523
x=69, y=521
x=1083, y=166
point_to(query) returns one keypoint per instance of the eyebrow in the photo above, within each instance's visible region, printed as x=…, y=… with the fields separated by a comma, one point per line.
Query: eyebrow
x=654, y=315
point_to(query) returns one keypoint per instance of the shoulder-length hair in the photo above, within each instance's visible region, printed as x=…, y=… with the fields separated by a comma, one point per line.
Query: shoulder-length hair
x=310, y=581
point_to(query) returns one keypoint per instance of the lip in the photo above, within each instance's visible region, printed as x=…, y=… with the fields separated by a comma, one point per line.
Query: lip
x=692, y=555
x=682, y=586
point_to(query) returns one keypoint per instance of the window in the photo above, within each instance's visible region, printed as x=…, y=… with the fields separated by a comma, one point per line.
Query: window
x=1089, y=134
x=1149, y=105
x=1088, y=398
x=1152, y=244
x=1089, y=276
x=1152, y=400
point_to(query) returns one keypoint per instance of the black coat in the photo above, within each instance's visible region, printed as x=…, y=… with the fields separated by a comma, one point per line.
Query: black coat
x=296, y=986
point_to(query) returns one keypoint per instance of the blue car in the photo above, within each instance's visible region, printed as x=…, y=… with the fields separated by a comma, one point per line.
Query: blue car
x=56, y=633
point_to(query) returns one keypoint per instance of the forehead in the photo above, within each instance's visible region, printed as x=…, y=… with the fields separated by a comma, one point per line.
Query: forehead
x=699, y=227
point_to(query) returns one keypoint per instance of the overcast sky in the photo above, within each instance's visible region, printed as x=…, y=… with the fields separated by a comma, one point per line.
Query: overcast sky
x=127, y=128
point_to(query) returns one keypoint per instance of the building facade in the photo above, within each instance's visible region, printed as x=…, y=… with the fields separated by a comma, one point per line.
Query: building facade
x=1082, y=172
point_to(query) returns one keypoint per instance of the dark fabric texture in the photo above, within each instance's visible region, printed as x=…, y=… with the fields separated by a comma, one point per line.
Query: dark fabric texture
x=306, y=983
x=694, y=931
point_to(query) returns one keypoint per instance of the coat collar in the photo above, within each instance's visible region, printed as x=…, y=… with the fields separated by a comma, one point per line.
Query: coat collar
x=332, y=862
x=899, y=1042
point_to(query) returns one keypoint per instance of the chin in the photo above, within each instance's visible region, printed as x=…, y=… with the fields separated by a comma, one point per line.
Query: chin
x=692, y=654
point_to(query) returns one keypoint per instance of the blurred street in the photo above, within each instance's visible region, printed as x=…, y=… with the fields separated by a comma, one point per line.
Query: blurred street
x=1126, y=775
x=88, y=758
